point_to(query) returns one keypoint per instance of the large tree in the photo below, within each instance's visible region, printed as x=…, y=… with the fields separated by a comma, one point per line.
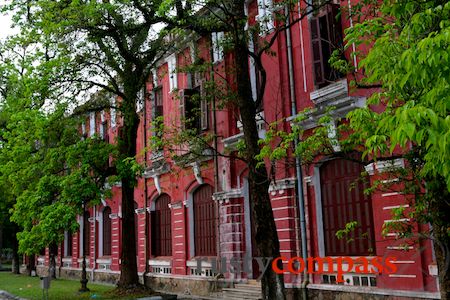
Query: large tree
x=110, y=45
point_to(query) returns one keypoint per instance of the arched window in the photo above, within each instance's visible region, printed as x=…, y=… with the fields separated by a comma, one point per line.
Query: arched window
x=86, y=234
x=162, y=227
x=344, y=201
x=106, y=231
x=204, y=222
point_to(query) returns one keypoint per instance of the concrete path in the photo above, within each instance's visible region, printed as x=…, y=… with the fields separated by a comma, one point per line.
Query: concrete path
x=7, y=296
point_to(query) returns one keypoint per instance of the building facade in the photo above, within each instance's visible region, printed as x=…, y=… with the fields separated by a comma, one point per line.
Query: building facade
x=203, y=210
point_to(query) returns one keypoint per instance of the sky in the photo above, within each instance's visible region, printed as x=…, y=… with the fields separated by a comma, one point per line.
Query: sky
x=5, y=24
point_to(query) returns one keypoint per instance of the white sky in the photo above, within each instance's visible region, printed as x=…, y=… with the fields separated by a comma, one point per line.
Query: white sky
x=5, y=24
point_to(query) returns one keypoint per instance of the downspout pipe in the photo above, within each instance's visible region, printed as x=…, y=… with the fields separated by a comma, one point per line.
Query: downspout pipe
x=216, y=159
x=298, y=165
x=147, y=221
x=94, y=255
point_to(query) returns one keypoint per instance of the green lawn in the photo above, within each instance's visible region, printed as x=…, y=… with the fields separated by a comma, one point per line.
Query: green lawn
x=30, y=288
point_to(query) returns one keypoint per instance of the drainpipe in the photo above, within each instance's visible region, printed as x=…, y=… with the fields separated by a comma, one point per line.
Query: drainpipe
x=94, y=255
x=216, y=160
x=298, y=166
x=146, y=252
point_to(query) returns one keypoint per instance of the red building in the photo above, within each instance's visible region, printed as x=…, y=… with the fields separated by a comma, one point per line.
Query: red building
x=203, y=210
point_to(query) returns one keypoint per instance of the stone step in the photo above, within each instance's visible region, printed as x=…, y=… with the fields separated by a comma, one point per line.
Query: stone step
x=241, y=293
x=248, y=286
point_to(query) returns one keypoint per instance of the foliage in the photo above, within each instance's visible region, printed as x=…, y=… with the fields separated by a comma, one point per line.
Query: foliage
x=47, y=170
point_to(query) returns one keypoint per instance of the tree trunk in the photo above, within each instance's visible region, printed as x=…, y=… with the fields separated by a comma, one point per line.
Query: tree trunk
x=31, y=266
x=439, y=208
x=1, y=244
x=15, y=261
x=266, y=233
x=127, y=147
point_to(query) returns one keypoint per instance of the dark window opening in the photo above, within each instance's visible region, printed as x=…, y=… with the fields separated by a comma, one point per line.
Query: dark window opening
x=157, y=114
x=162, y=227
x=106, y=231
x=69, y=244
x=105, y=136
x=194, y=109
x=326, y=36
x=86, y=234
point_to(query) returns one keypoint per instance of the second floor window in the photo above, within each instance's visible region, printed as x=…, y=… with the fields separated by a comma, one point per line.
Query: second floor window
x=91, y=124
x=172, y=68
x=326, y=36
x=217, y=40
x=194, y=109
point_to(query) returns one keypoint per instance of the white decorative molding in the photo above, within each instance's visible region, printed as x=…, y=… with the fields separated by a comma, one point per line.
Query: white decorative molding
x=103, y=260
x=197, y=172
x=160, y=262
x=158, y=168
x=281, y=185
x=334, y=95
x=157, y=183
x=139, y=210
x=226, y=195
x=433, y=270
x=231, y=142
x=330, y=92
x=307, y=179
x=387, y=165
x=114, y=216
x=176, y=205
x=186, y=203
x=370, y=169
x=384, y=166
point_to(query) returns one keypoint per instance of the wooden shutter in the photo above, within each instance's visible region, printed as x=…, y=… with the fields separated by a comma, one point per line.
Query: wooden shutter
x=344, y=201
x=106, y=220
x=318, y=60
x=162, y=227
x=204, y=222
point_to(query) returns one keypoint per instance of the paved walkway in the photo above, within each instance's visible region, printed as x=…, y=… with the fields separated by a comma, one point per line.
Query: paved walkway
x=7, y=296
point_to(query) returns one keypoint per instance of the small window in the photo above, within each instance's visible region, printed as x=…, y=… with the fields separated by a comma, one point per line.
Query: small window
x=91, y=124
x=194, y=109
x=217, y=40
x=265, y=16
x=172, y=67
x=113, y=117
x=326, y=36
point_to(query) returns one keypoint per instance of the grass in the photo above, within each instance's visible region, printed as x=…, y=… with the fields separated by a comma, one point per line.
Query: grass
x=30, y=288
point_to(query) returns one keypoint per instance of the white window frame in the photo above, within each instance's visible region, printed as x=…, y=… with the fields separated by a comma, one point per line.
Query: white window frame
x=217, y=40
x=91, y=123
x=171, y=69
x=265, y=16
